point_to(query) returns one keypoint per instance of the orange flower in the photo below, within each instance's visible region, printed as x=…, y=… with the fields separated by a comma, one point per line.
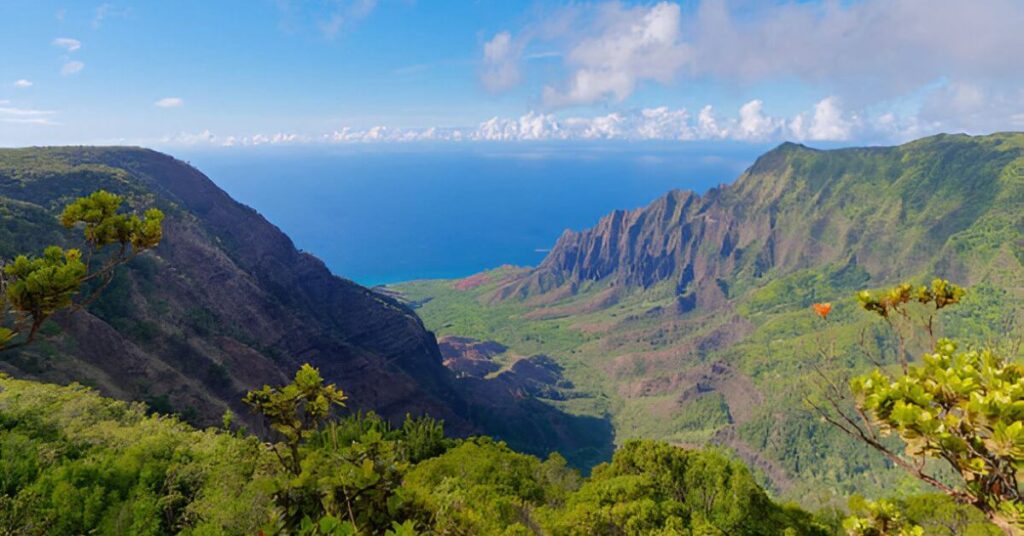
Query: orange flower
x=823, y=309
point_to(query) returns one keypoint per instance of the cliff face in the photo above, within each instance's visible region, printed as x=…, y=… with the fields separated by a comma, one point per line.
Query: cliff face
x=226, y=303
x=946, y=204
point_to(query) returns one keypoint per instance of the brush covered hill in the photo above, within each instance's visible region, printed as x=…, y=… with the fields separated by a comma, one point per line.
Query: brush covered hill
x=226, y=303
x=75, y=462
x=688, y=320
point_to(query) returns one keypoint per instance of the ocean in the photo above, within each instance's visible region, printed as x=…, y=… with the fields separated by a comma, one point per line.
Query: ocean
x=381, y=214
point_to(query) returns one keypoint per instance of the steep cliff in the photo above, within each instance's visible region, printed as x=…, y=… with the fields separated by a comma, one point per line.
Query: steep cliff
x=226, y=303
x=949, y=204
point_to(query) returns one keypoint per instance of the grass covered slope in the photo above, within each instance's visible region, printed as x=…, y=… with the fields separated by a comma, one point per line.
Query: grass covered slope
x=689, y=320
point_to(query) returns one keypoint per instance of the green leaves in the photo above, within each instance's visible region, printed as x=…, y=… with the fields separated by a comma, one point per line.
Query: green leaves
x=40, y=286
x=965, y=407
x=104, y=225
x=34, y=288
x=297, y=409
x=941, y=294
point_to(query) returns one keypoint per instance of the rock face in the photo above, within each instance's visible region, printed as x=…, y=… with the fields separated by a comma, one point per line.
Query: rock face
x=225, y=304
x=891, y=211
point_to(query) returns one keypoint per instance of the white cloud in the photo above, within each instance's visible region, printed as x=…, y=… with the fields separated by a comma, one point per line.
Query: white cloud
x=828, y=123
x=867, y=54
x=501, y=62
x=631, y=45
x=753, y=124
x=707, y=125
x=207, y=137
x=22, y=83
x=67, y=43
x=824, y=121
x=204, y=137
x=72, y=67
x=664, y=124
x=23, y=112
x=169, y=102
x=879, y=46
x=25, y=116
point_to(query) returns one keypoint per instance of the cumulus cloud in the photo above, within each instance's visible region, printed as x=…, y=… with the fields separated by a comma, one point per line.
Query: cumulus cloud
x=707, y=124
x=22, y=84
x=868, y=54
x=72, y=67
x=753, y=124
x=67, y=43
x=827, y=123
x=630, y=45
x=824, y=121
x=169, y=102
x=207, y=137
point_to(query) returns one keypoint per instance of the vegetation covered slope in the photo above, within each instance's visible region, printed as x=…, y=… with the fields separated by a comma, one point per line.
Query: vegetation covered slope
x=226, y=303
x=74, y=462
x=688, y=320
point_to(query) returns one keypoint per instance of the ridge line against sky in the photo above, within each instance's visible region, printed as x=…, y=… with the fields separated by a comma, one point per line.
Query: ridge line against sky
x=237, y=73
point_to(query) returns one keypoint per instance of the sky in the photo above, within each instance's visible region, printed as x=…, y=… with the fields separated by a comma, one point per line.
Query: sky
x=235, y=73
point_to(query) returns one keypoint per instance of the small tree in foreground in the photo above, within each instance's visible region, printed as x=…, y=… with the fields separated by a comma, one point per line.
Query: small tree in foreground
x=32, y=289
x=961, y=407
x=341, y=476
x=296, y=411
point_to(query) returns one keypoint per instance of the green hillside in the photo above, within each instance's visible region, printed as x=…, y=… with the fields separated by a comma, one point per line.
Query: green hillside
x=689, y=320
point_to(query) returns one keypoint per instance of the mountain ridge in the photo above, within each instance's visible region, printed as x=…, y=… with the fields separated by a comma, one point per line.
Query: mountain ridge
x=651, y=244
x=226, y=303
x=688, y=320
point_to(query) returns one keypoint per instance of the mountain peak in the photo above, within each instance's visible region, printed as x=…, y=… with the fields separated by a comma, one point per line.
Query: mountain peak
x=891, y=208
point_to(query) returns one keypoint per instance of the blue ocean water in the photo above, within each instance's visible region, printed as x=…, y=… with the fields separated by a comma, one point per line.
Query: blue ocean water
x=384, y=214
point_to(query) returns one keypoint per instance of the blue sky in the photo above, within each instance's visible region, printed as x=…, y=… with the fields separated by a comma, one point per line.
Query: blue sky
x=232, y=73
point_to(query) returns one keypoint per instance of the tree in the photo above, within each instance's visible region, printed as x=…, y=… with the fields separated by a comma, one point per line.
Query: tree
x=32, y=289
x=296, y=411
x=960, y=408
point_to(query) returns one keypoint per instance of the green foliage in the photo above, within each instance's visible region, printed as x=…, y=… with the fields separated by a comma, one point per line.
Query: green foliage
x=104, y=225
x=654, y=488
x=941, y=294
x=483, y=487
x=33, y=289
x=878, y=518
x=964, y=408
x=296, y=410
x=72, y=462
x=937, y=513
